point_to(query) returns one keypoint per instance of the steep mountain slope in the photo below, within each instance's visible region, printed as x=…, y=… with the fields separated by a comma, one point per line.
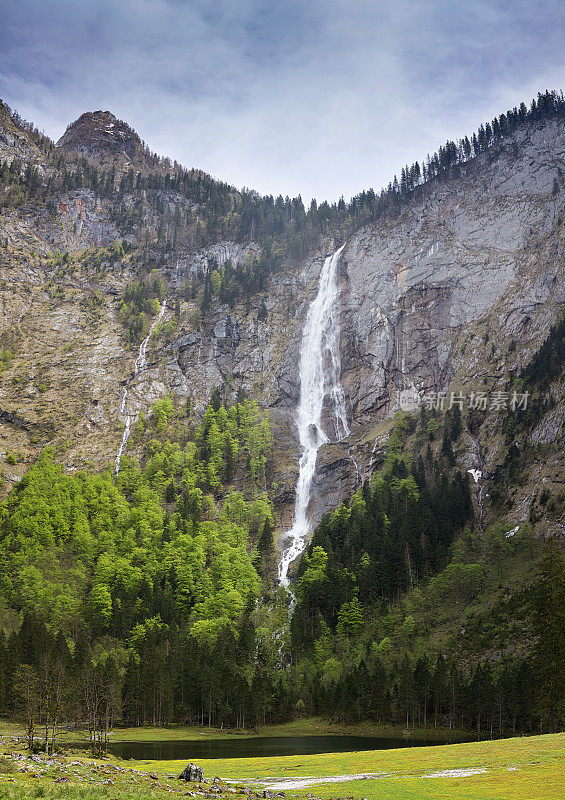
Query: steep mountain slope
x=454, y=289
x=460, y=291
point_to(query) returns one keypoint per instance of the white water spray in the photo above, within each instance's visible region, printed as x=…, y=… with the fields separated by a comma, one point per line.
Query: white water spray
x=358, y=476
x=376, y=442
x=320, y=372
x=140, y=363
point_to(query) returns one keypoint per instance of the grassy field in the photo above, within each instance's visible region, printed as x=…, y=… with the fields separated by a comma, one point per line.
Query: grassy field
x=528, y=768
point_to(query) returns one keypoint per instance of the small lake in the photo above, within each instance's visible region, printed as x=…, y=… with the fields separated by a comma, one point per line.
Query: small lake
x=257, y=746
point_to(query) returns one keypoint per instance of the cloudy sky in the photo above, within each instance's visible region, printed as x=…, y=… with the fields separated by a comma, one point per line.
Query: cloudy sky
x=313, y=97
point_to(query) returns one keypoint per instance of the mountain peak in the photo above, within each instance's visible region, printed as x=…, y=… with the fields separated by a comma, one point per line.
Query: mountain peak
x=101, y=135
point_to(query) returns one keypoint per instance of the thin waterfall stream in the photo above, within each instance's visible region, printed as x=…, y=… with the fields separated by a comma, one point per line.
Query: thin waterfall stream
x=140, y=363
x=320, y=376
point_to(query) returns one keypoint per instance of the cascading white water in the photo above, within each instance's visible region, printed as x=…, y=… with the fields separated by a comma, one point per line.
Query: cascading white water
x=320, y=372
x=140, y=363
x=125, y=435
x=375, y=444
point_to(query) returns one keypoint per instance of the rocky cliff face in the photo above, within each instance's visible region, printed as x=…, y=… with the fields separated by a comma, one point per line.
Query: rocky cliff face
x=454, y=293
x=457, y=292
x=484, y=251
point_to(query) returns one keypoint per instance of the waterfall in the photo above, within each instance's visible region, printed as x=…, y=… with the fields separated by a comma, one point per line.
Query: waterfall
x=127, y=426
x=358, y=476
x=140, y=363
x=373, y=456
x=320, y=373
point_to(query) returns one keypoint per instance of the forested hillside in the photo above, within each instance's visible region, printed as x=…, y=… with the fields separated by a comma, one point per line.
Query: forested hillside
x=149, y=589
x=152, y=304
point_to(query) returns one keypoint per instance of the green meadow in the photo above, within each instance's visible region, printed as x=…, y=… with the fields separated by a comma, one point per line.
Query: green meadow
x=525, y=768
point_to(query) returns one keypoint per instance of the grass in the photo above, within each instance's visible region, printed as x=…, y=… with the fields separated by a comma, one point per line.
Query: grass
x=30, y=791
x=527, y=768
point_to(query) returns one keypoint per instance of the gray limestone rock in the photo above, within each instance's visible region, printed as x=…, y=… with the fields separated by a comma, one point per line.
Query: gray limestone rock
x=192, y=773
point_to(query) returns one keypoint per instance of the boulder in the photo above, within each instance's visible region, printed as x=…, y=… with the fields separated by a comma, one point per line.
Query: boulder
x=192, y=773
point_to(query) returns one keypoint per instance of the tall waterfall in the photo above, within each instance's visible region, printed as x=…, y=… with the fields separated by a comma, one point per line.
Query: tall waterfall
x=320, y=373
x=140, y=363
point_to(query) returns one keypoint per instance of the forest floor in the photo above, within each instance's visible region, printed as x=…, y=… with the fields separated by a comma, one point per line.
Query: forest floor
x=525, y=768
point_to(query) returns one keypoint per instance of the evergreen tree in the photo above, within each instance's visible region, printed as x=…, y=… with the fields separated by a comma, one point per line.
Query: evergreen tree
x=549, y=626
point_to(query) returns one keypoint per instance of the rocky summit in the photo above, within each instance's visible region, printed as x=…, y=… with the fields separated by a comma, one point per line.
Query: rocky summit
x=100, y=135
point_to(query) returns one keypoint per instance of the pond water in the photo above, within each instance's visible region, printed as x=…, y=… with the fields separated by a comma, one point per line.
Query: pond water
x=252, y=747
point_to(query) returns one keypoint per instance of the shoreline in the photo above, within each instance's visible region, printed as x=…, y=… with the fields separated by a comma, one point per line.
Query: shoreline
x=311, y=726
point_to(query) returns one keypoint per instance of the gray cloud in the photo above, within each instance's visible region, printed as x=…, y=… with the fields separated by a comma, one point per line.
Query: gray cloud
x=317, y=98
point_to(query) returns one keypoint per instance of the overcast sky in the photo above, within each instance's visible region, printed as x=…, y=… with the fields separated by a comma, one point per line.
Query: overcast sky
x=311, y=97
